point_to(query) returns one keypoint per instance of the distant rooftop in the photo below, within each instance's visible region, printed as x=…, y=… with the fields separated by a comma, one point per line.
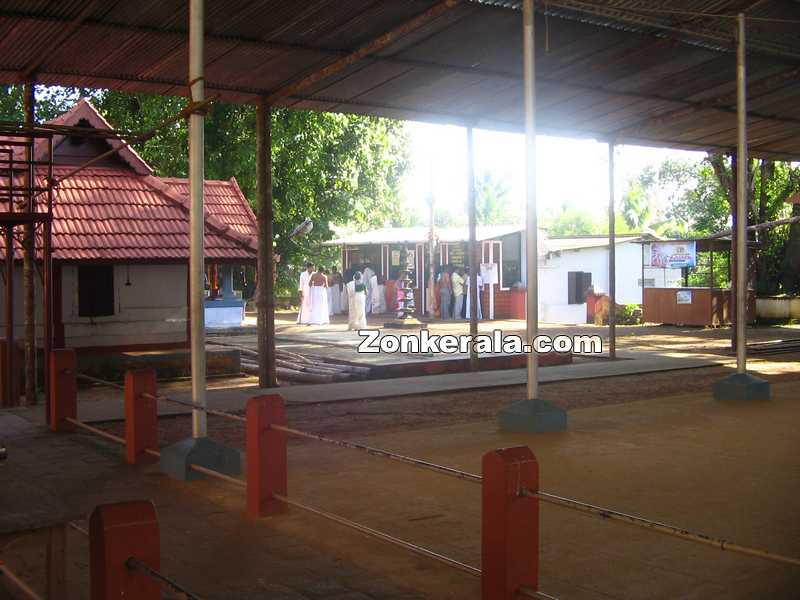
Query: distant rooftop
x=417, y=235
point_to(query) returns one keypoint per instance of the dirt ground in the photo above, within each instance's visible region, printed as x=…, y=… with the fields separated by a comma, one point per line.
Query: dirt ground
x=352, y=418
x=654, y=445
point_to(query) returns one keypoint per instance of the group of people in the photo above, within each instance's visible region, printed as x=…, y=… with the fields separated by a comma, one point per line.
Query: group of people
x=360, y=291
x=452, y=293
x=326, y=293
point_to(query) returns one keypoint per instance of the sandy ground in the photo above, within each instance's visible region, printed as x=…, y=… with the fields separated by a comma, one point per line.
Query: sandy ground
x=728, y=470
x=654, y=445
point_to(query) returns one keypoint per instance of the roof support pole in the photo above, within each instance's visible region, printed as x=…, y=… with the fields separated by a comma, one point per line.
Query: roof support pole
x=531, y=415
x=531, y=217
x=10, y=392
x=473, y=260
x=741, y=201
x=28, y=259
x=196, y=217
x=741, y=385
x=266, y=265
x=199, y=450
x=612, y=259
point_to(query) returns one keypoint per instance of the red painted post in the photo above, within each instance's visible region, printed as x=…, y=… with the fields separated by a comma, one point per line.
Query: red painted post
x=116, y=533
x=510, y=526
x=63, y=389
x=141, y=416
x=266, y=456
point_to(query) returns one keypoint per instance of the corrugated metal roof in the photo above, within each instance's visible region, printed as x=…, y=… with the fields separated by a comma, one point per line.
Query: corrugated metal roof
x=581, y=242
x=636, y=71
x=417, y=235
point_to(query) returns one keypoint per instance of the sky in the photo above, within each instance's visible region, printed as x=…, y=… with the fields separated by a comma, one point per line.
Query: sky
x=570, y=172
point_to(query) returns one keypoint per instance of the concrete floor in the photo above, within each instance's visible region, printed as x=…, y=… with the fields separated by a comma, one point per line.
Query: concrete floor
x=729, y=470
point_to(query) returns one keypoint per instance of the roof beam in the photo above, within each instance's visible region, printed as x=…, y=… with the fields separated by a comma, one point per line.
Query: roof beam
x=52, y=45
x=363, y=51
x=721, y=103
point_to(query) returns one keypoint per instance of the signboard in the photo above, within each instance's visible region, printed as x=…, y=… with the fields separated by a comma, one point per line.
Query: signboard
x=673, y=255
x=489, y=273
x=683, y=296
x=395, y=258
x=455, y=253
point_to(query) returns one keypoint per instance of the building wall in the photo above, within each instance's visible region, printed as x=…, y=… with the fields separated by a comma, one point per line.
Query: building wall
x=151, y=310
x=553, y=279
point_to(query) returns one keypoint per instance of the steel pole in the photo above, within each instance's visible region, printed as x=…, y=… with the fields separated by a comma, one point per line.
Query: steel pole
x=741, y=202
x=10, y=379
x=474, y=263
x=531, y=221
x=196, y=217
x=265, y=301
x=612, y=259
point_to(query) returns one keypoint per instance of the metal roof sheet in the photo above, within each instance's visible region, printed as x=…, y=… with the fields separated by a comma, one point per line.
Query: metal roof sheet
x=417, y=235
x=635, y=71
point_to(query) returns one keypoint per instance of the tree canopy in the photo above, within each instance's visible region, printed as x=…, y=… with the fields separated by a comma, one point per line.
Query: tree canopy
x=337, y=170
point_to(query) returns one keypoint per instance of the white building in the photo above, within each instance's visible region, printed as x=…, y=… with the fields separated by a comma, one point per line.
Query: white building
x=582, y=260
x=121, y=248
x=589, y=254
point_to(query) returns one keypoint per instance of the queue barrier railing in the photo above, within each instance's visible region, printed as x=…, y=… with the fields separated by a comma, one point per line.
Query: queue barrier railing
x=124, y=557
x=510, y=486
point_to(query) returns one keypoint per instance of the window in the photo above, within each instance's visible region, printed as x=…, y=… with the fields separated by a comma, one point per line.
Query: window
x=96, y=291
x=578, y=283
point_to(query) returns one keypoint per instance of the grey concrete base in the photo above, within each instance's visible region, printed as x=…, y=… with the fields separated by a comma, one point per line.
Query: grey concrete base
x=409, y=323
x=532, y=416
x=741, y=386
x=176, y=459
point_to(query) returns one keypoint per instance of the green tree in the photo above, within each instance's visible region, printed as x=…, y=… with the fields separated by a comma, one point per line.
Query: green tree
x=334, y=169
x=491, y=201
x=566, y=221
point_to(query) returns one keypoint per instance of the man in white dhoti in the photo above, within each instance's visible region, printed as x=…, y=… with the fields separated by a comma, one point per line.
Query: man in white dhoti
x=469, y=296
x=356, y=303
x=379, y=300
x=319, y=299
x=369, y=274
x=375, y=298
x=329, y=292
x=335, y=291
x=304, y=316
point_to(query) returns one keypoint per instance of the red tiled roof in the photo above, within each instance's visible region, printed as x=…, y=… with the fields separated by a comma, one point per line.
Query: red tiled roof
x=112, y=214
x=225, y=201
x=125, y=213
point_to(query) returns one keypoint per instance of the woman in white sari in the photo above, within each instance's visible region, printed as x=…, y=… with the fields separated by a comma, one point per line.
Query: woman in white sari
x=319, y=299
x=356, y=303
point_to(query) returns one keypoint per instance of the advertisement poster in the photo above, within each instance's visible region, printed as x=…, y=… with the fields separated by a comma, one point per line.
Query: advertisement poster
x=489, y=273
x=673, y=255
x=395, y=258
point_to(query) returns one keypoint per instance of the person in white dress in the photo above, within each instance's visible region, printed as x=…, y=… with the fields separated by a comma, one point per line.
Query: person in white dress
x=356, y=303
x=367, y=278
x=319, y=299
x=304, y=316
x=335, y=283
x=375, y=297
x=379, y=302
x=329, y=292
